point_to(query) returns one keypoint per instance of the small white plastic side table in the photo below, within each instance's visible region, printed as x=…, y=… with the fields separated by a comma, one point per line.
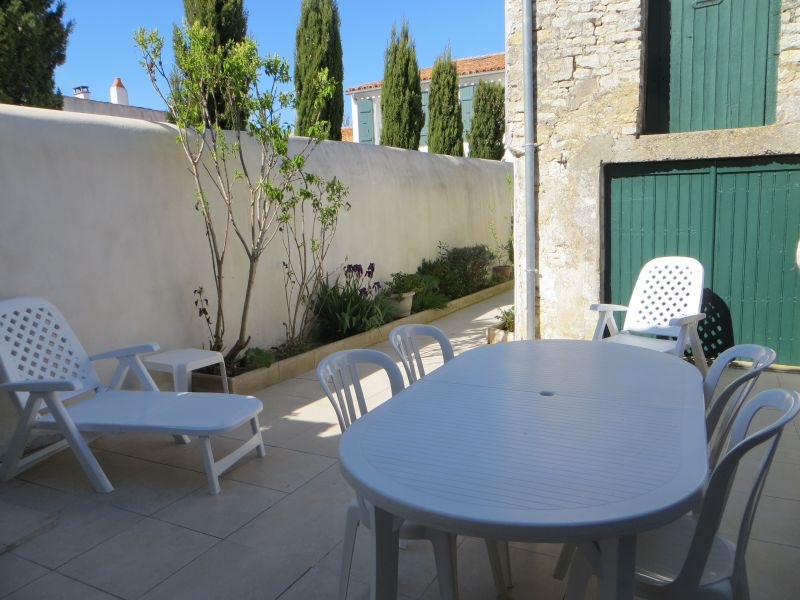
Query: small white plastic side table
x=182, y=362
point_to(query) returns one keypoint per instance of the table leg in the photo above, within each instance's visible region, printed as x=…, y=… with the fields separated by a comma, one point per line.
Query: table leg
x=385, y=538
x=180, y=383
x=618, y=563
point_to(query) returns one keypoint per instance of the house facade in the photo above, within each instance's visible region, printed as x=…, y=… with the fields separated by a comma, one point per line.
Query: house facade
x=365, y=99
x=662, y=127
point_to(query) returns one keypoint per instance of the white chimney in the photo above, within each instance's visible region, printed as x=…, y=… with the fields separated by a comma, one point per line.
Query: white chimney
x=82, y=91
x=118, y=94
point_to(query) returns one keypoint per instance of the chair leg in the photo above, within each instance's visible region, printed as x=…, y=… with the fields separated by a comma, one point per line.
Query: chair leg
x=79, y=446
x=444, y=551
x=16, y=446
x=697, y=351
x=255, y=429
x=505, y=560
x=210, y=465
x=496, y=563
x=580, y=571
x=562, y=566
x=348, y=547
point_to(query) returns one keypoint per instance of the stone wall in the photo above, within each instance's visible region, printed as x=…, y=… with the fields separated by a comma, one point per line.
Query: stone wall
x=589, y=98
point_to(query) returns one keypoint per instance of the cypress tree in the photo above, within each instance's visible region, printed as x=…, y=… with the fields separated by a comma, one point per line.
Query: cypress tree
x=318, y=45
x=401, y=97
x=485, y=135
x=33, y=42
x=445, y=129
x=227, y=20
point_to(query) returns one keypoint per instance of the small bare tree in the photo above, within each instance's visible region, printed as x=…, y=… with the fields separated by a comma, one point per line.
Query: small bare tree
x=204, y=77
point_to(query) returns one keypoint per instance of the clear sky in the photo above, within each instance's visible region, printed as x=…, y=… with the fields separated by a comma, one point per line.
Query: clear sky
x=101, y=45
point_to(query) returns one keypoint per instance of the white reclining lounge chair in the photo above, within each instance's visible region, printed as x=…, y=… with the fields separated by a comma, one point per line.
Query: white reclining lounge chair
x=42, y=365
x=665, y=302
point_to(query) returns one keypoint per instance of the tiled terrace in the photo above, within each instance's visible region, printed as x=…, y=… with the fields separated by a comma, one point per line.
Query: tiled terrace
x=275, y=530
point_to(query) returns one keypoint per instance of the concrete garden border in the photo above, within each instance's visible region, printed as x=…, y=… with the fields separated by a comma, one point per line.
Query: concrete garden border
x=291, y=367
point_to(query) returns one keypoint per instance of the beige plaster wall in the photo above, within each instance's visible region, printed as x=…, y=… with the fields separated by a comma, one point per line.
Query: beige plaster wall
x=97, y=215
x=589, y=88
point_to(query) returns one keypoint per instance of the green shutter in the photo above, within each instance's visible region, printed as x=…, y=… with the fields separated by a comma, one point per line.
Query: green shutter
x=722, y=63
x=741, y=219
x=366, y=124
x=758, y=225
x=423, y=136
x=465, y=95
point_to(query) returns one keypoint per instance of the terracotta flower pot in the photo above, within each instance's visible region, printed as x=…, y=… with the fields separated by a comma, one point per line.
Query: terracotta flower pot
x=503, y=272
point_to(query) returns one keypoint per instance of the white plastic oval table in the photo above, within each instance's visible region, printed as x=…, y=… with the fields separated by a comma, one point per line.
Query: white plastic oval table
x=548, y=441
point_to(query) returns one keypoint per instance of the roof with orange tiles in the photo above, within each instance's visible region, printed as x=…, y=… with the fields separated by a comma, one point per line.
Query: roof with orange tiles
x=471, y=65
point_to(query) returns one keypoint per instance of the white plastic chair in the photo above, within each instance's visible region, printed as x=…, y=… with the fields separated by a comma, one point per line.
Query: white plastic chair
x=725, y=402
x=340, y=380
x=666, y=301
x=722, y=407
x=404, y=341
x=687, y=559
x=42, y=365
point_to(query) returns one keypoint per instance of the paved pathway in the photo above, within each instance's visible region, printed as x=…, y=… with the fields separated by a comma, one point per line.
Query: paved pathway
x=275, y=530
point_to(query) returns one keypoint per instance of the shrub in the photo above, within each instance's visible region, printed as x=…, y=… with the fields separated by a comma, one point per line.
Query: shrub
x=428, y=296
x=403, y=283
x=353, y=306
x=460, y=271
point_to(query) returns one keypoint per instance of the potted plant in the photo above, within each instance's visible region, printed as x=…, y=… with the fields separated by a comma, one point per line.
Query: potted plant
x=504, y=330
x=401, y=290
x=504, y=271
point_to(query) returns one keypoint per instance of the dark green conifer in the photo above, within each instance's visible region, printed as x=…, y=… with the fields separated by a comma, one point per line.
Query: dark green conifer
x=401, y=96
x=445, y=129
x=227, y=20
x=485, y=135
x=33, y=42
x=318, y=45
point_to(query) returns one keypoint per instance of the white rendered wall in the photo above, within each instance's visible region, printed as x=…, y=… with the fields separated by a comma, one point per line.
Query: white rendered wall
x=97, y=215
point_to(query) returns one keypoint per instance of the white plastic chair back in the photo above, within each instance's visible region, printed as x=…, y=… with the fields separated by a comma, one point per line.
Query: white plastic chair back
x=338, y=375
x=716, y=495
x=36, y=343
x=404, y=341
x=722, y=407
x=667, y=287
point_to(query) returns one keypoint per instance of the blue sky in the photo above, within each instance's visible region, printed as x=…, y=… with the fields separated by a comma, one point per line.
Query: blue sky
x=101, y=45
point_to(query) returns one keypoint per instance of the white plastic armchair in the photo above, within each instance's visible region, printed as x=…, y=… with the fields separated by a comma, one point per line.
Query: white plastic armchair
x=338, y=374
x=665, y=302
x=404, y=341
x=687, y=559
x=43, y=365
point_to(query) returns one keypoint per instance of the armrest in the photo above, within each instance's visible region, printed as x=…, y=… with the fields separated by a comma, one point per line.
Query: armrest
x=608, y=308
x=127, y=351
x=686, y=320
x=41, y=385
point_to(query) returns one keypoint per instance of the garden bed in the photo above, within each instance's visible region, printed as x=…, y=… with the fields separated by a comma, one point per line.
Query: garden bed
x=291, y=367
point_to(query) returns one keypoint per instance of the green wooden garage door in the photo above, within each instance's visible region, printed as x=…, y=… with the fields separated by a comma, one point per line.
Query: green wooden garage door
x=741, y=219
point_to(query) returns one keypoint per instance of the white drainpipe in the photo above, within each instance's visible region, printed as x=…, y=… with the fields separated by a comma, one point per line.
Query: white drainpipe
x=528, y=69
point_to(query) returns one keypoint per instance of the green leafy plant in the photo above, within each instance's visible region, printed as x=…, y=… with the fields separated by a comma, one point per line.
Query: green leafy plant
x=252, y=201
x=256, y=358
x=352, y=306
x=403, y=283
x=505, y=319
x=460, y=271
x=428, y=296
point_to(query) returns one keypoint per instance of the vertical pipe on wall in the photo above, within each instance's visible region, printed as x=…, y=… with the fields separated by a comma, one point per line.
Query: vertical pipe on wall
x=528, y=75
